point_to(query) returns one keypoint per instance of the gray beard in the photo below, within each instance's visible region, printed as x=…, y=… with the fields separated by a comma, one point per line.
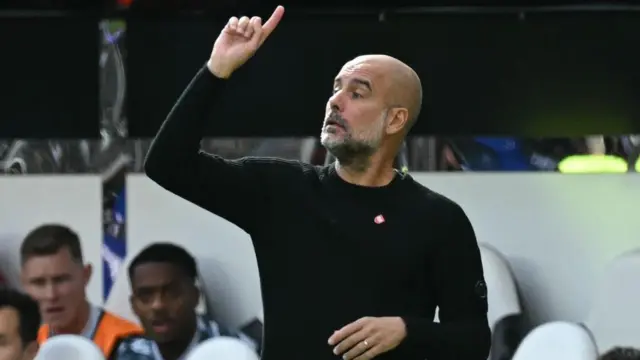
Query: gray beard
x=351, y=154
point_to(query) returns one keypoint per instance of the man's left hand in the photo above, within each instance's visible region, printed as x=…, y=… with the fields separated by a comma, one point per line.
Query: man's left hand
x=368, y=337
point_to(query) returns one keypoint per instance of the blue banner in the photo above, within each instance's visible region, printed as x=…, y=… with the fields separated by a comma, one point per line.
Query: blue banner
x=114, y=247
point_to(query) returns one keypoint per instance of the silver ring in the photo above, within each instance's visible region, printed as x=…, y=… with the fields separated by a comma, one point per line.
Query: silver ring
x=366, y=343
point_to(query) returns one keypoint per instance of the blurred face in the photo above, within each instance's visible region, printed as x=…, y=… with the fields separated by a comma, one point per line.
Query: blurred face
x=11, y=346
x=165, y=301
x=356, y=114
x=57, y=283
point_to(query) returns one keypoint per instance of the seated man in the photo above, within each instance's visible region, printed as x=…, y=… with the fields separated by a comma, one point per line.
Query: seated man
x=54, y=274
x=164, y=297
x=621, y=353
x=19, y=323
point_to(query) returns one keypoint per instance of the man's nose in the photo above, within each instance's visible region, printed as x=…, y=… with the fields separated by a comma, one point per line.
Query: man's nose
x=335, y=102
x=51, y=292
x=158, y=303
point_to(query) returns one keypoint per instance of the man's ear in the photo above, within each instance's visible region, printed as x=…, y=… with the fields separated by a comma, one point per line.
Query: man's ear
x=397, y=120
x=87, y=271
x=134, y=305
x=196, y=296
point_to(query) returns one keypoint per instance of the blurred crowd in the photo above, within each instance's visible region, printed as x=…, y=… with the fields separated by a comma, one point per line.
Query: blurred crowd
x=113, y=151
x=168, y=317
x=423, y=153
x=54, y=319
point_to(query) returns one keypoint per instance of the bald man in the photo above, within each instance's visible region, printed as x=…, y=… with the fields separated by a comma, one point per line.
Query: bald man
x=354, y=257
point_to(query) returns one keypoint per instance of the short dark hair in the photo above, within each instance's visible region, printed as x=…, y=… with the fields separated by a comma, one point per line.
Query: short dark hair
x=621, y=353
x=49, y=239
x=28, y=313
x=166, y=253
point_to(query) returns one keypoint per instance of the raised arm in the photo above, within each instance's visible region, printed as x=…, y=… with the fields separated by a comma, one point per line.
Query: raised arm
x=175, y=161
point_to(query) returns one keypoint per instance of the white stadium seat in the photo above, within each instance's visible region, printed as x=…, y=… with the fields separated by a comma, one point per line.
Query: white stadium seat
x=505, y=313
x=501, y=286
x=69, y=347
x=614, y=318
x=557, y=341
x=223, y=347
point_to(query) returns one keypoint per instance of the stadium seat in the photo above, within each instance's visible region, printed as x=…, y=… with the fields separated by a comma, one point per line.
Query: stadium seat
x=3, y=282
x=222, y=348
x=69, y=347
x=253, y=332
x=557, y=341
x=614, y=318
x=505, y=313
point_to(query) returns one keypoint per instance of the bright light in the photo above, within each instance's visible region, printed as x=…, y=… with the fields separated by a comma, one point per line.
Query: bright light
x=592, y=164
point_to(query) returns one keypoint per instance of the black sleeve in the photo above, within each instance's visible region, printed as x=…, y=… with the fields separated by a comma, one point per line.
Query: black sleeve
x=463, y=331
x=232, y=189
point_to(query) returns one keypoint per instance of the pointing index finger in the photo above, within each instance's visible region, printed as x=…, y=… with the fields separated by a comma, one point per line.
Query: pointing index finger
x=272, y=23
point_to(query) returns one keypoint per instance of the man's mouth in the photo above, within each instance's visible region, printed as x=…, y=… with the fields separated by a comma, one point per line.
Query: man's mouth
x=54, y=310
x=333, y=123
x=160, y=326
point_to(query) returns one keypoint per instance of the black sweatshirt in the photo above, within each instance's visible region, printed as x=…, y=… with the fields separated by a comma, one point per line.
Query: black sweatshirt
x=330, y=252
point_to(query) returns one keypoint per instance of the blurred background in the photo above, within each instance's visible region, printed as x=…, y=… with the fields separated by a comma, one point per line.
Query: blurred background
x=454, y=101
x=516, y=100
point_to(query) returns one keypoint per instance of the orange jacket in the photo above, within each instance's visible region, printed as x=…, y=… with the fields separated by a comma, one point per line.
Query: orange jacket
x=108, y=332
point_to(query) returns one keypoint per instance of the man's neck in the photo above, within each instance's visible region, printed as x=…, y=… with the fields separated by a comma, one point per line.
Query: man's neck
x=79, y=323
x=175, y=349
x=378, y=172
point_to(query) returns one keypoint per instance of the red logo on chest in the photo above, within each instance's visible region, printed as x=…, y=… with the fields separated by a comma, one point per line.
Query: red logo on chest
x=378, y=219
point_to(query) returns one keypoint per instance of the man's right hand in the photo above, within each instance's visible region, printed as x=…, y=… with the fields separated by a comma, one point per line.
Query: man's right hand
x=239, y=40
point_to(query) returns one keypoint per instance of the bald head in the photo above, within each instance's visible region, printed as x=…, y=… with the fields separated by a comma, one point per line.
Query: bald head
x=403, y=85
x=376, y=100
